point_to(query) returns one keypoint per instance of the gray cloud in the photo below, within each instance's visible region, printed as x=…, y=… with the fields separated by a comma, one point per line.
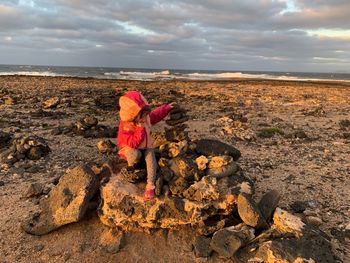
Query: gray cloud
x=222, y=34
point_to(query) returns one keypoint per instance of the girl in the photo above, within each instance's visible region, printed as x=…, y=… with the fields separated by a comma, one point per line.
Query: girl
x=136, y=119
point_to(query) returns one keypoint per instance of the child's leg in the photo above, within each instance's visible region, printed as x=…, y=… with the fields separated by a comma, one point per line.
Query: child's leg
x=151, y=163
x=132, y=156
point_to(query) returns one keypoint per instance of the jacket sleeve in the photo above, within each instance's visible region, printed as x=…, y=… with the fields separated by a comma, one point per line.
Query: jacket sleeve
x=133, y=138
x=159, y=113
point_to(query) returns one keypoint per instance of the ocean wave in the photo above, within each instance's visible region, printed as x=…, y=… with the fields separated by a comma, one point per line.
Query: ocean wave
x=31, y=73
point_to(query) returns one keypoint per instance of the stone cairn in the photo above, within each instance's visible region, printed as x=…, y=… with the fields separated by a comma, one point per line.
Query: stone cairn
x=199, y=184
x=87, y=127
x=32, y=147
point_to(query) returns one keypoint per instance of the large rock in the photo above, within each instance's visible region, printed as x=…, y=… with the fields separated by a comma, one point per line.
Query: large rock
x=227, y=241
x=249, y=211
x=123, y=204
x=66, y=203
x=210, y=147
x=268, y=204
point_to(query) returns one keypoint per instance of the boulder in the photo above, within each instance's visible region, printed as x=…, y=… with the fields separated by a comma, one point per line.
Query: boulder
x=268, y=203
x=285, y=222
x=224, y=171
x=67, y=202
x=209, y=147
x=249, y=211
x=123, y=205
x=228, y=240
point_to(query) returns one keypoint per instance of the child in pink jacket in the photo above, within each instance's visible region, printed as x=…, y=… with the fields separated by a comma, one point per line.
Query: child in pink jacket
x=134, y=136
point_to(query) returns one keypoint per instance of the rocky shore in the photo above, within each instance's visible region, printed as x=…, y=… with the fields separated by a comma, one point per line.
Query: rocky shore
x=293, y=137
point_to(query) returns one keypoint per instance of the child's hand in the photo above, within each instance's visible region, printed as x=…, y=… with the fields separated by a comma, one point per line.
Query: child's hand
x=173, y=105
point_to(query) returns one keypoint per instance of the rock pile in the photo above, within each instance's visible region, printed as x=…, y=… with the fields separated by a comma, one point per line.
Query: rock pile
x=32, y=148
x=87, y=127
x=200, y=184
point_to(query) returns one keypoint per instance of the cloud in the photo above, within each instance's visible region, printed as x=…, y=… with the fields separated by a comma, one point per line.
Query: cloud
x=269, y=34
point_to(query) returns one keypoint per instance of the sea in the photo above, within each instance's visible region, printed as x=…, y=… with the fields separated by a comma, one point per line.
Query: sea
x=164, y=74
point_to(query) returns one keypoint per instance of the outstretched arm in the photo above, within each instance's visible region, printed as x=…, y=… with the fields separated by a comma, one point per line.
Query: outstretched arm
x=159, y=113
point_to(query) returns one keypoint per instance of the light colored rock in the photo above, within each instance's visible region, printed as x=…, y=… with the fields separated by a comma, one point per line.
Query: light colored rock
x=66, y=203
x=314, y=220
x=219, y=161
x=224, y=171
x=124, y=206
x=285, y=222
x=249, y=212
x=228, y=240
x=201, y=162
x=51, y=103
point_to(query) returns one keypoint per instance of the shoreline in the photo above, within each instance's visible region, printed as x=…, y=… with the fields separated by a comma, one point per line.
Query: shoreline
x=235, y=80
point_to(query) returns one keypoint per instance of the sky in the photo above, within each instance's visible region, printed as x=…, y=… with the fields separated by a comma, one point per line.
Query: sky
x=256, y=35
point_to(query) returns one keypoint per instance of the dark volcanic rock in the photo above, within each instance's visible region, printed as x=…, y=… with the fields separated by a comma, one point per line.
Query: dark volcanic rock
x=67, y=202
x=268, y=204
x=227, y=241
x=5, y=139
x=210, y=147
x=299, y=206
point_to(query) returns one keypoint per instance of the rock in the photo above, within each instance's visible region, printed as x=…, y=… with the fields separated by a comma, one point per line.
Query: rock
x=219, y=161
x=66, y=203
x=166, y=173
x=201, y=162
x=202, y=247
x=313, y=220
x=224, y=171
x=112, y=241
x=9, y=100
x=171, y=122
x=205, y=189
x=210, y=147
x=249, y=211
x=36, y=152
x=90, y=121
x=173, y=149
x=5, y=139
x=183, y=167
x=269, y=203
x=177, y=133
x=106, y=147
x=227, y=241
x=51, y=103
x=299, y=206
x=313, y=249
x=124, y=207
x=34, y=189
x=210, y=226
x=178, y=185
x=285, y=222
x=2, y=183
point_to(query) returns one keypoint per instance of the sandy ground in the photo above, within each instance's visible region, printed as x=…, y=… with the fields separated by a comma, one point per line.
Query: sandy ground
x=308, y=159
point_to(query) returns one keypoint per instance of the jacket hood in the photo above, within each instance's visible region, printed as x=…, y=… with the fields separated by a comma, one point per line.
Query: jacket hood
x=131, y=103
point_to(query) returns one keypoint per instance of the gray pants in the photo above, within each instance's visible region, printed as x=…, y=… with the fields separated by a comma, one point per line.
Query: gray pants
x=133, y=156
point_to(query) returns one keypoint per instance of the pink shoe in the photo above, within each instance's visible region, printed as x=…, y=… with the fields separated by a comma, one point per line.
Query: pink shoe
x=149, y=194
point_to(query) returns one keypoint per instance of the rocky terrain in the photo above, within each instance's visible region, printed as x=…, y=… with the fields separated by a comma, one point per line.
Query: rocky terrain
x=294, y=137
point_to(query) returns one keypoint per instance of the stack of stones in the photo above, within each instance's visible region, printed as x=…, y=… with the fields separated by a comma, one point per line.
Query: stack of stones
x=177, y=119
x=87, y=127
x=32, y=148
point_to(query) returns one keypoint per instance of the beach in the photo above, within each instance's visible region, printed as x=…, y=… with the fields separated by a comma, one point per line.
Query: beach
x=294, y=137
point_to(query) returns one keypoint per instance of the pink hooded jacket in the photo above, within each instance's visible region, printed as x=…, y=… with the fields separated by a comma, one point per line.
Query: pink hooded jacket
x=131, y=135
